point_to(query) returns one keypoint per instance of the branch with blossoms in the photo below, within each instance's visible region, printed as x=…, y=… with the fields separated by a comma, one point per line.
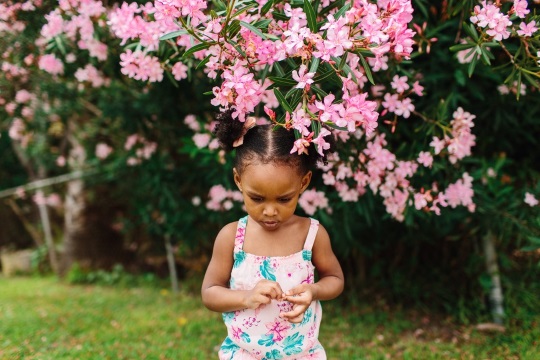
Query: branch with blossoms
x=277, y=54
x=511, y=27
x=316, y=68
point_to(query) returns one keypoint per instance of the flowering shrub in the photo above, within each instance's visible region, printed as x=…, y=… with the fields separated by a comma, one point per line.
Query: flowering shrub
x=419, y=128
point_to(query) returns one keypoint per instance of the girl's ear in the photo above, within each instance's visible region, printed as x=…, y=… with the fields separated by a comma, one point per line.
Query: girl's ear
x=306, y=179
x=237, y=179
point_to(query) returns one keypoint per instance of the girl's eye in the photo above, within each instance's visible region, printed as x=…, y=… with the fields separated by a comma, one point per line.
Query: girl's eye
x=256, y=199
x=285, y=200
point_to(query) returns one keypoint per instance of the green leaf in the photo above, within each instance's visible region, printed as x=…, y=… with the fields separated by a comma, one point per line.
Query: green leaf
x=314, y=64
x=334, y=126
x=461, y=47
x=203, y=62
x=253, y=29
x=343, y=61
x=60, y=45
x=471, y=31
x=280, y=16
x=291, y=92
x=282, y=81
x=266, y=7
x=342, y=11
x=323, y=76
x=296, y=99
x=172, y=79
x=220, y=5
x=283, y=102
x=367, y=69
x=262, y=24
x=322, y=94
x=311, y=16
x=472, y=65
x=279, y=69
x=196, y=48
x=173, y=34
x=233, y=28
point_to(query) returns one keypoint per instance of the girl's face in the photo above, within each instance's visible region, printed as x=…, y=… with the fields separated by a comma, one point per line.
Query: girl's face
x=271, y=192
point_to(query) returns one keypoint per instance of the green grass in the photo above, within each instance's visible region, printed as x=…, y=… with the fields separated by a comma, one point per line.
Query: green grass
x=42, y=318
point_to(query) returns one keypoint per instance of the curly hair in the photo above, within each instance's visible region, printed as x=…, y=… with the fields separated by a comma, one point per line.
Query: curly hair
x=264, y=144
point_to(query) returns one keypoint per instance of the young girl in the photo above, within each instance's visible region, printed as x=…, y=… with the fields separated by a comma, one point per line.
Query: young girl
x=261, y=274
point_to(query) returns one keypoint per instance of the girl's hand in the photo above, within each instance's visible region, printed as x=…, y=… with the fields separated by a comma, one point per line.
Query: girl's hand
x=264, y=292
x=301, y=297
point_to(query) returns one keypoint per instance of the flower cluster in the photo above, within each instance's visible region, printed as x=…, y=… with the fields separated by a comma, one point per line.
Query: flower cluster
x=144, y=149
x=290, y=37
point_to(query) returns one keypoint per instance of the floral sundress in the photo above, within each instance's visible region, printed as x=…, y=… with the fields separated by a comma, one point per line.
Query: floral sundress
x=261, y=333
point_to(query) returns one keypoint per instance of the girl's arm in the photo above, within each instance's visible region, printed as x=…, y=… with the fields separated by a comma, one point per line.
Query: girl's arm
x=329, y=286
x=215, y=291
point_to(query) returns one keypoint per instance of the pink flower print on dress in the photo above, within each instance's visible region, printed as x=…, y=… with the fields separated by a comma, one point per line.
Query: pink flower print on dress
x=308, y=280
x=239, y=239
x=250, y=322
x=278, y=328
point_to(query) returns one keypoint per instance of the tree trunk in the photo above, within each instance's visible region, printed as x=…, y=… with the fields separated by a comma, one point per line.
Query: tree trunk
x=496, y=294
x=74, y=206
x=172, y=264
x=51, y=248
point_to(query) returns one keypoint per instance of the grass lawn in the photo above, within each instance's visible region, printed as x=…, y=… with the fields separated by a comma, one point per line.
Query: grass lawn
x=42, y=318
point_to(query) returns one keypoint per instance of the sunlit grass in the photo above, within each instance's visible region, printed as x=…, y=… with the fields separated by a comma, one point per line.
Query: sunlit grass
x=42, y=318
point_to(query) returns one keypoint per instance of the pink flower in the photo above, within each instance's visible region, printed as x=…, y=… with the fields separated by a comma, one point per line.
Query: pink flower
x=425, y=159
x=320, y=142
x=191, y=121
x=300, y=146
x=311, y=200
x=23, y=96
x=302, y=78
x=51, y=64
x=399, y=83
x=103, y=151
x=437, y=145
x=201, y=140
x=530, y=199
x=460, y=193
x=527, y=29
x=179, y=71
x=520, y=8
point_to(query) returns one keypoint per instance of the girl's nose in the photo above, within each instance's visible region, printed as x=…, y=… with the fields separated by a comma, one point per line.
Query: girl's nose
x=269, y=210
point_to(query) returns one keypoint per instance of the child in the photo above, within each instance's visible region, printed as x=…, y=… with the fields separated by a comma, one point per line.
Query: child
x=261, y=274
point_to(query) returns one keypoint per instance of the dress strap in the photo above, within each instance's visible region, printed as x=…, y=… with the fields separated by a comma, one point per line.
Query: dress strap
x=240, y=233
x=312, y=233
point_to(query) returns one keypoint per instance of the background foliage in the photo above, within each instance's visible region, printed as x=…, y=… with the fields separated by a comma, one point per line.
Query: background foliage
x=433, y=260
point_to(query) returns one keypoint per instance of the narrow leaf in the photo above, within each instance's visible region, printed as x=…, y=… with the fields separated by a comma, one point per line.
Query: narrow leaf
x=367, y=69
x=342, y=11
x=314, y=64
x=323, y=76
x=267, y=7
x=279, y=69
x=173, y=34
x=311, y=16
x=253, y=29
x=195, y=48
x=203, y=62
x=461, y=47
x=317, y=90
x=282, y=81
x=282, y=100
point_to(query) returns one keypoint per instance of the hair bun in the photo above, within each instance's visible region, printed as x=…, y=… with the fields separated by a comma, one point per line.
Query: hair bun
x=227, y=129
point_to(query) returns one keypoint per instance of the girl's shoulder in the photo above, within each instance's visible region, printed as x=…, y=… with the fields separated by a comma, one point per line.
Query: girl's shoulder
x=229, y=230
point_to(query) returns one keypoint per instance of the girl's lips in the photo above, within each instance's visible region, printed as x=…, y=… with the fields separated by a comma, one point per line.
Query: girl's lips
x=270, y=224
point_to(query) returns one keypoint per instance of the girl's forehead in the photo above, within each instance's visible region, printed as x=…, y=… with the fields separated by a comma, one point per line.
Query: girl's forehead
x=270, y=177
x=273, y=170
